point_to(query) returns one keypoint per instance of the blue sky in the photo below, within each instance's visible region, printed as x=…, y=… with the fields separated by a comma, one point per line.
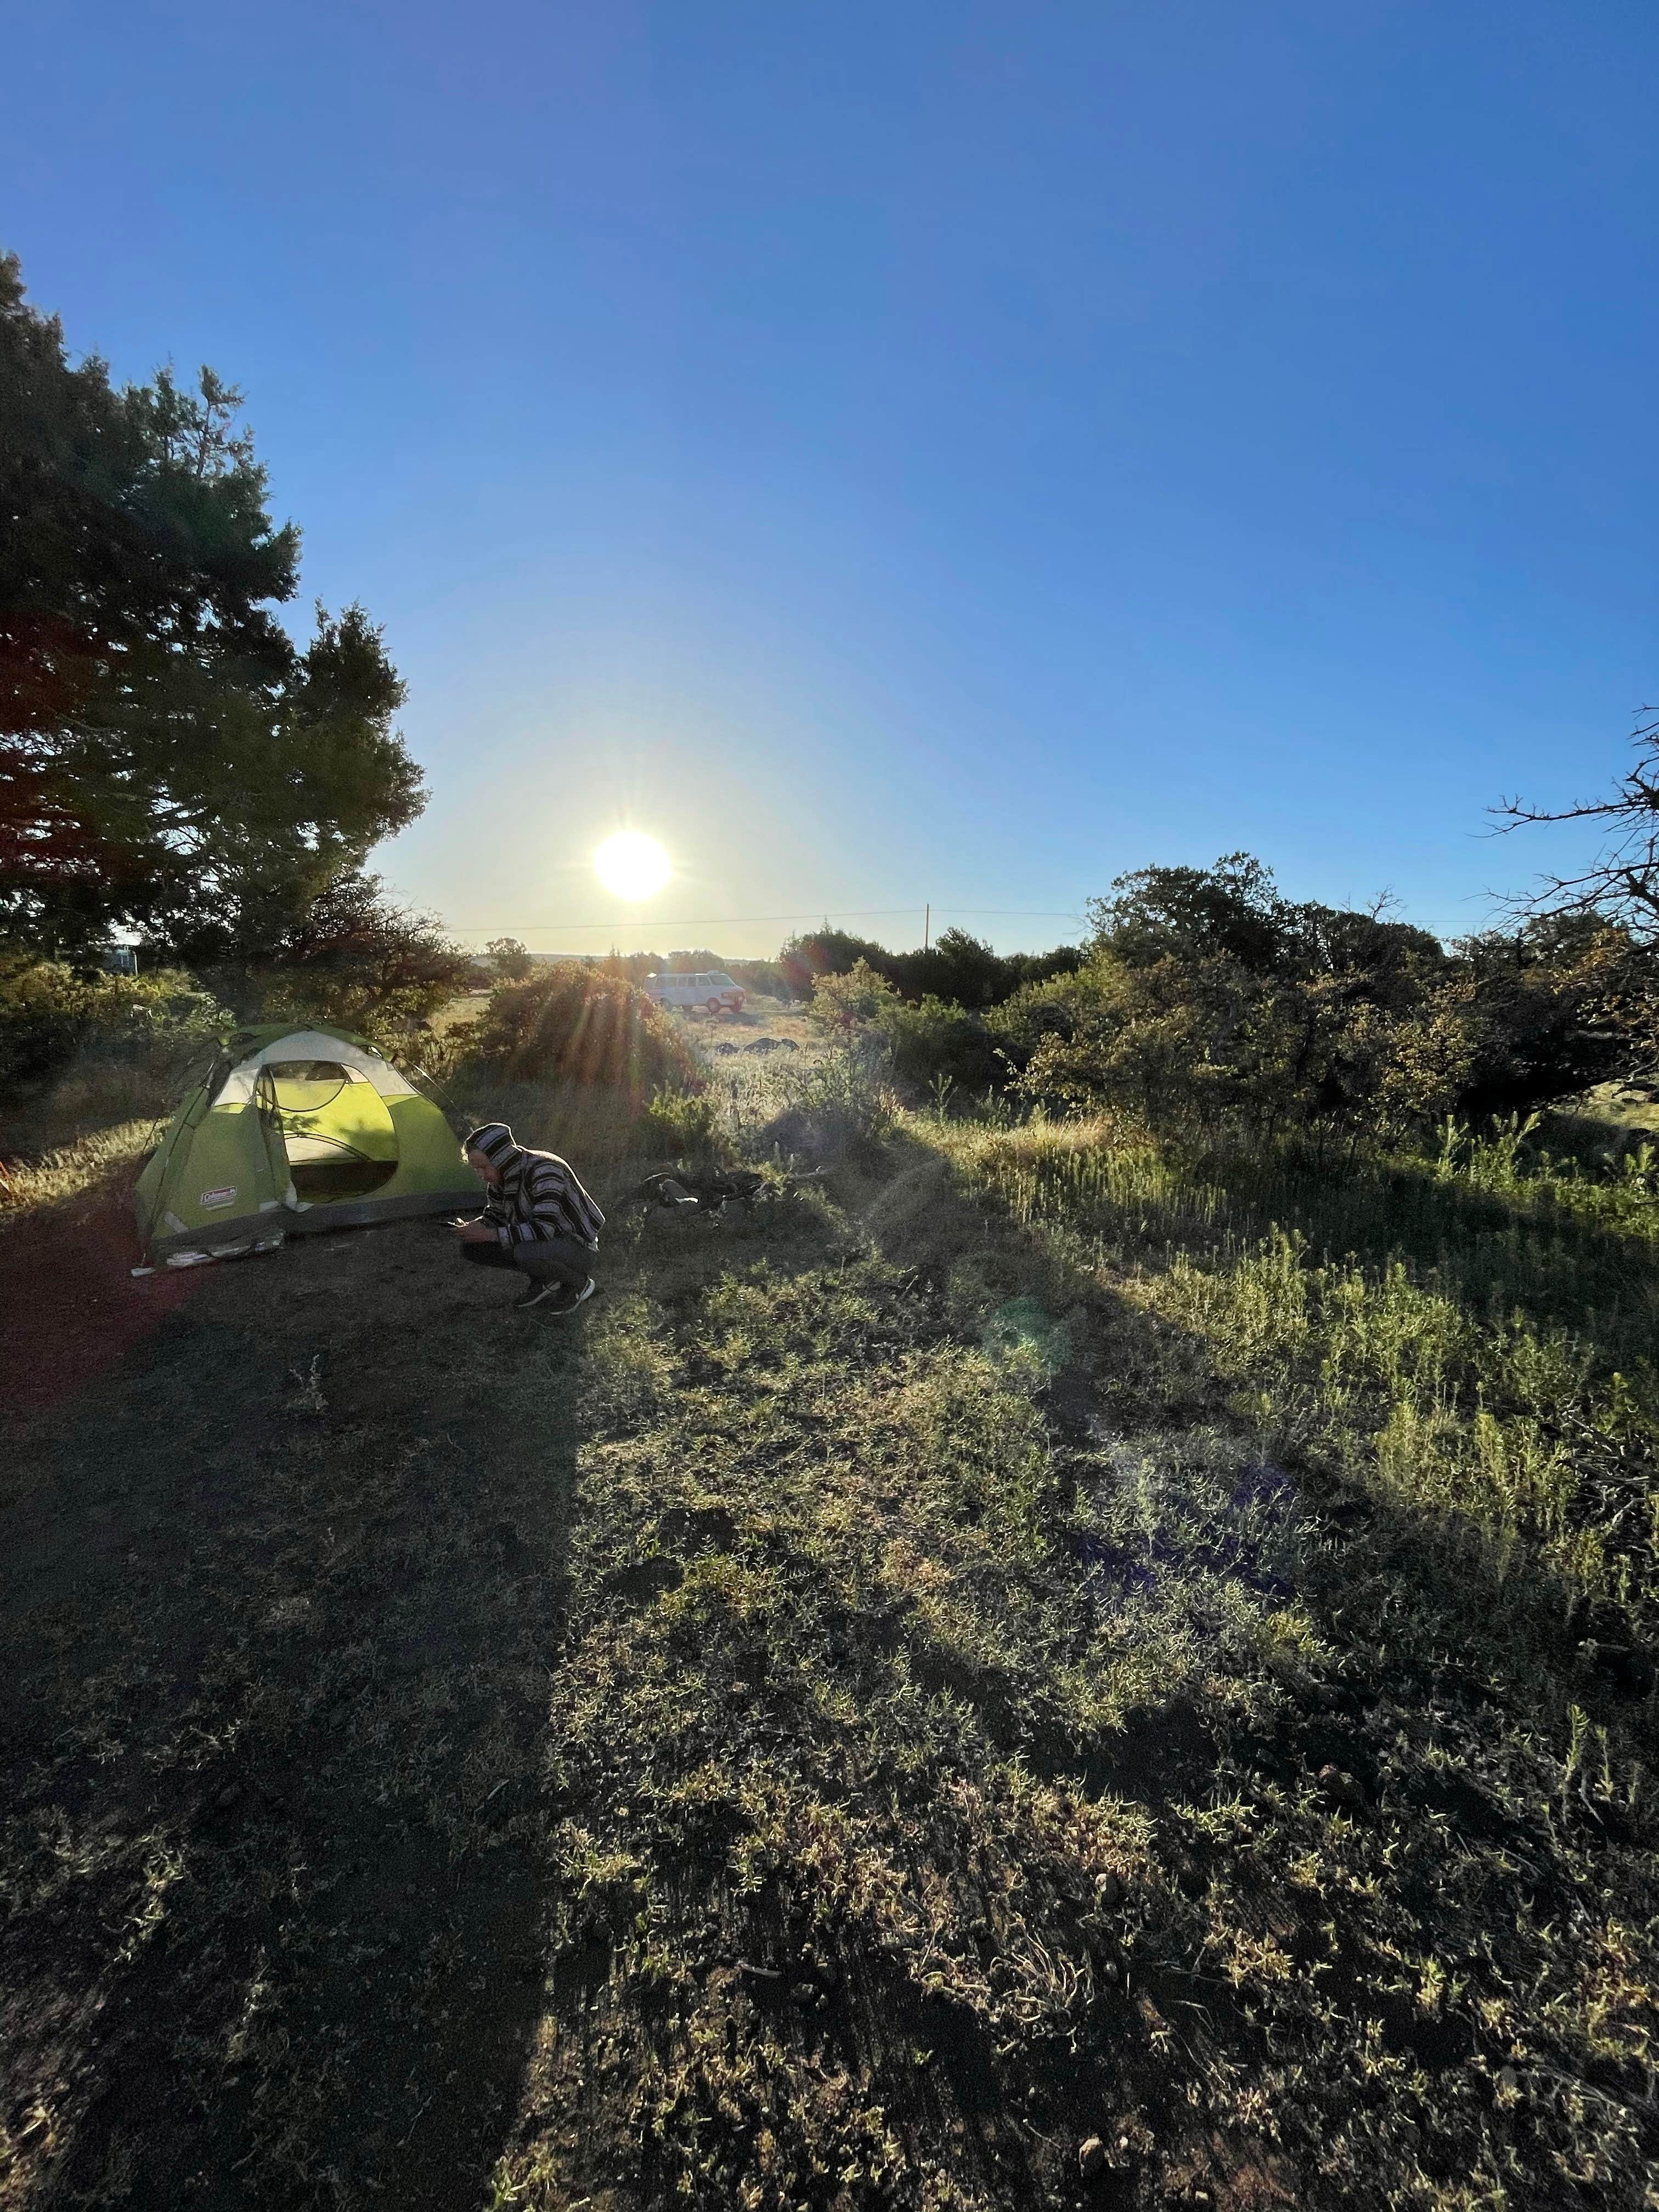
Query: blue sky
x=914, y=452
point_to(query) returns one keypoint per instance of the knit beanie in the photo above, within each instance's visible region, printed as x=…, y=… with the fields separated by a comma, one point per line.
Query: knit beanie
x=493, y=1139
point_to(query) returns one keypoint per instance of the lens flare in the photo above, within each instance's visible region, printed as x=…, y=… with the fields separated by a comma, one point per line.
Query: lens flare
x=632, y=865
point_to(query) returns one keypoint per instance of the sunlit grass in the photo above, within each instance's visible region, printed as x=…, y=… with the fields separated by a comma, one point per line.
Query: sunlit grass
x=1474, y=1331
x=67, y=1170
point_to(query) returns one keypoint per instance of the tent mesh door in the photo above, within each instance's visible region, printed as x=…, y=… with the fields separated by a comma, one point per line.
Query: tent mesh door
x=334, y=1129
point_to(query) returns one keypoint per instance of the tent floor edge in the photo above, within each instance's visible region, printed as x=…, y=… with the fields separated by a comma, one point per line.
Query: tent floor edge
x=282, y=1225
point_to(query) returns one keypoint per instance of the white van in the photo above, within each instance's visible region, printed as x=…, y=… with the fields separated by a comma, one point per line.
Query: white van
x=714, y=989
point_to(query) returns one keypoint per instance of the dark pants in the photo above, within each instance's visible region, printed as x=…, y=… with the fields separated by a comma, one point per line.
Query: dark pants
x=561, y=1259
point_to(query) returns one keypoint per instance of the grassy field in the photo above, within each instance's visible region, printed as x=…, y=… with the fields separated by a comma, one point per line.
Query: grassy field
x=1023, y=1672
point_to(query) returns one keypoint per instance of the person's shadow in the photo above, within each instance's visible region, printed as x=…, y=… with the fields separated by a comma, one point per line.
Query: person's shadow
x=281, y=1595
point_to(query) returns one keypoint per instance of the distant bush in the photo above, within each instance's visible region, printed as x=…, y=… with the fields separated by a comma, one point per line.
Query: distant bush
x=806, y=960
x=938, y=1042
x=577, y=1024
x=859, y=996
x=957, y=968
x=505, y=958
x=762, y=978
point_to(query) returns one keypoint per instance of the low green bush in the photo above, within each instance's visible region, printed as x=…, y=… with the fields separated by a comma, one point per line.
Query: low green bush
x=933, y=1045
x=941, y=1042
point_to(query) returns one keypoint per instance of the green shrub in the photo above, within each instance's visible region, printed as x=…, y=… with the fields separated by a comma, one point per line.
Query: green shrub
x=52, y=1019
x=1211, y=1005
x=853, y=999
x=680, y=1121
x=928, y=1043
x=941, y=1041
x=577, y=1024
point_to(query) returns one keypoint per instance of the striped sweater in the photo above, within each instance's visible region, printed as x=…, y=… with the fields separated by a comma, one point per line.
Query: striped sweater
x=539, y=1199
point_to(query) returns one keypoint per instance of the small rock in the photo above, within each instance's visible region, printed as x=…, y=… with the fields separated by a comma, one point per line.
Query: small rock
x=1631, y=1669
x=1508, y=2081
x=1091, y=2158
x=1187, y=1872
x=1340, y=1788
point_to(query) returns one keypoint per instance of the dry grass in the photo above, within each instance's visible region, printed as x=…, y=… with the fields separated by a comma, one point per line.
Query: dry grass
x=67, y=1171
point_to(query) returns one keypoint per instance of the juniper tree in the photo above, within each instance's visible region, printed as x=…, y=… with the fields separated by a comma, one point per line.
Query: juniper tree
x=170, y=759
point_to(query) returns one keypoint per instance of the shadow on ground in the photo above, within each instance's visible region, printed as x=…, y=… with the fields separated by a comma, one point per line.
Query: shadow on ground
x=280, y=1592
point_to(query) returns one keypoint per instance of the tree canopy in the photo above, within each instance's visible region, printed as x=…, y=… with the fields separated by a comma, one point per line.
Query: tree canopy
x=170, y=759
x=1210, y=997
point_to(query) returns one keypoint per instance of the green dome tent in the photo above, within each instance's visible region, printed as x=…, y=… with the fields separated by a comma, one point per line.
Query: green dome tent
x=295, y=1129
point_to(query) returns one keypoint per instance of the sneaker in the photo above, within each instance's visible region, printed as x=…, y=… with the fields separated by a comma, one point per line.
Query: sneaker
x=563, y=1298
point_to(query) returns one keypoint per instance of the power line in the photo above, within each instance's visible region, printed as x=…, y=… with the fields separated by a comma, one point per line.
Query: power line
x=1463, y=923
x=809, y=914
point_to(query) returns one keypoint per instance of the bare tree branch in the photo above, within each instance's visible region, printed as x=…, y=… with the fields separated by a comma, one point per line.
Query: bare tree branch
x=1622, y=882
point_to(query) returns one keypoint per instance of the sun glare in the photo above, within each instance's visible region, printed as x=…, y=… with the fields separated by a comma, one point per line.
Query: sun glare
x=632, y=865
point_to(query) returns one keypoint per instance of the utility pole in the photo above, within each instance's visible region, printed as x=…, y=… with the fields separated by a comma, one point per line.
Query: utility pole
x=927, y=929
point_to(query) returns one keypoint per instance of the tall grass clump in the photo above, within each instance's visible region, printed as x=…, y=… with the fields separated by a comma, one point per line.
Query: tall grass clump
x=836, y=1098
x=64, y=1171
x=1610, y=1183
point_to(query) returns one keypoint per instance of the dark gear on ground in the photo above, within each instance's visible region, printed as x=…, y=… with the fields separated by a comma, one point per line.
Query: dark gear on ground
x=711, y=1190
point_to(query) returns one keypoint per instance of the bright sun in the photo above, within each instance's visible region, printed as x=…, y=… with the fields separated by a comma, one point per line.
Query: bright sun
x=631, y=865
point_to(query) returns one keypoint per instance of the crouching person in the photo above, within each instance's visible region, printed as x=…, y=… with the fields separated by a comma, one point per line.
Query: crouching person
x=537, y=1218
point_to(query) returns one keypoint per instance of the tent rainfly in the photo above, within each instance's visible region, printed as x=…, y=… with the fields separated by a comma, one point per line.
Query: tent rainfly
x=293, y=1130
